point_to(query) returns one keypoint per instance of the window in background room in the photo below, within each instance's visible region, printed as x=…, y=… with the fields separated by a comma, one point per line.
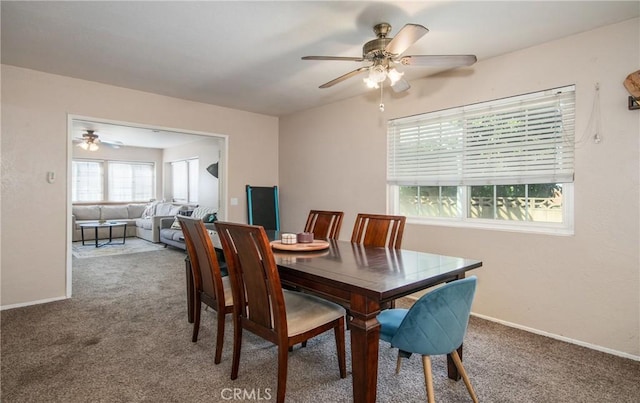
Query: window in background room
x=185, y=179
x=506, y=163
x=87, y=181
x=130, y=181
x=112, y=181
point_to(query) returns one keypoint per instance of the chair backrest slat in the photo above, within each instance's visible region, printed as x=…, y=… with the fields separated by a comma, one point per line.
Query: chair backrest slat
x=324, y=224
x=257, y=292
x=378, y=230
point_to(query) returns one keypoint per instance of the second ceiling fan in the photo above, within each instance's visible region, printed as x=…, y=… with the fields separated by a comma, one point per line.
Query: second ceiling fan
x=385, y=53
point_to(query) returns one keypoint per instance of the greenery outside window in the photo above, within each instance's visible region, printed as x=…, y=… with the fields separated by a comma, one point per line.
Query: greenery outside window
x=504, y=164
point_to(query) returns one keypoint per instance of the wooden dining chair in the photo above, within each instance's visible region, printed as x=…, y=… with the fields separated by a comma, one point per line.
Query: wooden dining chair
x=324, y=224
x=435, y=325
x=262, y=307
x=209, y=285
x=378, y=230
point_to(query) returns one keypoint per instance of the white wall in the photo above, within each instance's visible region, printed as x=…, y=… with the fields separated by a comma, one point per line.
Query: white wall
x=207, y=150
x=584, y=287
x=35, y=220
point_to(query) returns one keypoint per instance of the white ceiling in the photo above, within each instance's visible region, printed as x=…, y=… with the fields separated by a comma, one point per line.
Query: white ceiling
x=246, y=55
x=132, y=135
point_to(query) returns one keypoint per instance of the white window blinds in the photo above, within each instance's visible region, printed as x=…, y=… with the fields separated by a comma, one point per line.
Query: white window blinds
x=87, y=178
x=522, y=139
x=130, y=181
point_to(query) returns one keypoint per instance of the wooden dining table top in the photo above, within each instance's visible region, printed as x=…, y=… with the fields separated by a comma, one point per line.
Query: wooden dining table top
x=380, y=273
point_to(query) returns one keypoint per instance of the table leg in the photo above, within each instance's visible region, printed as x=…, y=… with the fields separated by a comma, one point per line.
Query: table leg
x=82, y=234
x=365, y=333
x=96, y=232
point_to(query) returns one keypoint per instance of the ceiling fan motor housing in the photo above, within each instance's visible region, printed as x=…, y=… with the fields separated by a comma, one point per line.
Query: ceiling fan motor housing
x=374, y=49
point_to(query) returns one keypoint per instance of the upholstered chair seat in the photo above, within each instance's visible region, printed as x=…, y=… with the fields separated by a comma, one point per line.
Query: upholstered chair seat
x=306, y=312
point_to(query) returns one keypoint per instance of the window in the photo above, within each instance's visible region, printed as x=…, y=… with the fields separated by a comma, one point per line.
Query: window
x=130, y=181
x=505, y=163
x=114, y=181
x=87, y=180
x=184, y=176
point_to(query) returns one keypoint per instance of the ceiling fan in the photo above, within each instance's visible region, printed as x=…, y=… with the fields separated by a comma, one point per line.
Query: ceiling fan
x=90, y=141
x=385, y=53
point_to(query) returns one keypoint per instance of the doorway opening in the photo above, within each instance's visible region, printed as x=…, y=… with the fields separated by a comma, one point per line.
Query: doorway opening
x=162, y=148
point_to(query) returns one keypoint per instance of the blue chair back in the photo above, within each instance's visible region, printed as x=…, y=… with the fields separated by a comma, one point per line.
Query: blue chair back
x=437, y=323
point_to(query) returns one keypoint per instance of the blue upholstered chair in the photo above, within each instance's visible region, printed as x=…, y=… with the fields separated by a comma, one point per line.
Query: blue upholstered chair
x=435, y=325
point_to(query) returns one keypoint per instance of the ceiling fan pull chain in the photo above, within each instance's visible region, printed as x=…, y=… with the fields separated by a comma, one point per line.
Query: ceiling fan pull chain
x=381, y=103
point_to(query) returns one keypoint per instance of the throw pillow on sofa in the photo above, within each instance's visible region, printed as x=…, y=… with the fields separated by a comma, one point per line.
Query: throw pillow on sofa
x=206, y=214
x=114, y=212
x=150, y=210
x=86, y=212
x=136, y=210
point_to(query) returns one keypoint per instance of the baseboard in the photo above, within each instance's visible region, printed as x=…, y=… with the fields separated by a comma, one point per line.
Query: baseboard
x=23, y=304
x=409, y=298
x=561, y=338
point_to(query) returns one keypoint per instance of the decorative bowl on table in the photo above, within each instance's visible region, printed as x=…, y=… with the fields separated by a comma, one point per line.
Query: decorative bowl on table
x=305, y=237
x=288, y=239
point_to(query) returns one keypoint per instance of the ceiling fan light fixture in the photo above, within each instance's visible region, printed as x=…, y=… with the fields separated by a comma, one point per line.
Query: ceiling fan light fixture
x=370, y=83
x=394, y=75
x=84, y=145
x=93, y=147
x=377, y=73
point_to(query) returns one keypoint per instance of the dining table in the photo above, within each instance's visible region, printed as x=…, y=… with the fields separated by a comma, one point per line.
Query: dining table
x=364, y=280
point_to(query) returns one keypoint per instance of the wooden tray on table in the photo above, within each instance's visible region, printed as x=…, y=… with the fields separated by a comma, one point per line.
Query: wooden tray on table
x=317, y=244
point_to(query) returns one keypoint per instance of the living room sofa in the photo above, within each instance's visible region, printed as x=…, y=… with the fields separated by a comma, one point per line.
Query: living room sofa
x=127, y=213
x=148, y=226
x=171, y=233
x=143, y=220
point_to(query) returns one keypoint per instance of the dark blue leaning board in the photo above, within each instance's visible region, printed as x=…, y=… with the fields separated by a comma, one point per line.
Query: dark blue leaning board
x=262, y=207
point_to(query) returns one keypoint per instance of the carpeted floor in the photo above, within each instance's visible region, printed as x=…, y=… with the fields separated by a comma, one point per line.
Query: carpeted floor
x=124, y=337
x=131, y=245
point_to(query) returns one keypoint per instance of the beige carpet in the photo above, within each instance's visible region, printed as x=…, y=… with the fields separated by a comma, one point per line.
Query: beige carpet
x=131, y=245
x=124, y=338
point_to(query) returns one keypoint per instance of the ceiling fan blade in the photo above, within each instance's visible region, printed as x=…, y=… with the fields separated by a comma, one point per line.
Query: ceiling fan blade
x=439, y=60
x=400, y=85
x=344, y=77
x=113, y=143
x=406, y=37
x=340, y=58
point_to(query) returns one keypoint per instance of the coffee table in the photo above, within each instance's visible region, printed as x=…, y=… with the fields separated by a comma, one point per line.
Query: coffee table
x=108, y=224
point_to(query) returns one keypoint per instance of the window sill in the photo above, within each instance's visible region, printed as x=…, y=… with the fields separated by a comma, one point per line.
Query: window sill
x=493, y=225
